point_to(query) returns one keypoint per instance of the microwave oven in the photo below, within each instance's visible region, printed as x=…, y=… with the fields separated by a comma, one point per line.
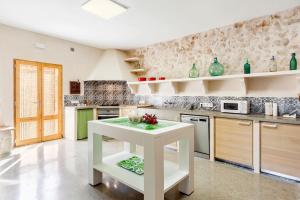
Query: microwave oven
x=235, y=106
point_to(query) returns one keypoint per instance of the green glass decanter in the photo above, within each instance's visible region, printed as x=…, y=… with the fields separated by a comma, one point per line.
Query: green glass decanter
x=216, y=69
x=194, y=73
x=293, y=62
x=247, y=68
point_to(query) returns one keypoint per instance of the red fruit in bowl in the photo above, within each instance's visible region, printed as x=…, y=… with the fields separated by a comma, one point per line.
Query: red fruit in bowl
x=150, y=119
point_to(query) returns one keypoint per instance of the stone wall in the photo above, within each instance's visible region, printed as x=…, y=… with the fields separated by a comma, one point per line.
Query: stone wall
x=257, y=39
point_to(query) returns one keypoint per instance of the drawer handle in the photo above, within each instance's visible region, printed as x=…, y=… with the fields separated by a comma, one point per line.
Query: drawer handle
x=270, y=125
x=244, y=123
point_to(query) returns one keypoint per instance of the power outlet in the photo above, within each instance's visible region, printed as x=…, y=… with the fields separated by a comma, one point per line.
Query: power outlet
x=206, y=105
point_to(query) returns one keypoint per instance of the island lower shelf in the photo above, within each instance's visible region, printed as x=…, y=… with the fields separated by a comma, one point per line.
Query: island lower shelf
x=172, y=174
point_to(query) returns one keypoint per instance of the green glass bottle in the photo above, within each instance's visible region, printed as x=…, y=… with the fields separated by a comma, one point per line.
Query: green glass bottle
x=293, y=62
x=194, y=73
x=247, y=68
x=216, y=69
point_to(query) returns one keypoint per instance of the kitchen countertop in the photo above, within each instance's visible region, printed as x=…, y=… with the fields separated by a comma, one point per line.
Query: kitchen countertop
x=109, y=107
x=254, y=117
x=136, y=105
x=81, y=107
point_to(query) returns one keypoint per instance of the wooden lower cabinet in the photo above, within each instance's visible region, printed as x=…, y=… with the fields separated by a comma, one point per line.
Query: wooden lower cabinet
x=233, y=140
x=280, y=148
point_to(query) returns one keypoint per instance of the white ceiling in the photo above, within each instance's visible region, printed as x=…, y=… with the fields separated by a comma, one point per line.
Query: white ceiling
x=146, y=22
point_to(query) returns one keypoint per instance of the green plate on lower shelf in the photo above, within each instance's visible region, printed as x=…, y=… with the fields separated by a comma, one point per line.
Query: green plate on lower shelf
x=133, y=164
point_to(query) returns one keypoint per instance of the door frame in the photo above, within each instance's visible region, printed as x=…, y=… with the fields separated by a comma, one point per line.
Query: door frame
x=40, y=119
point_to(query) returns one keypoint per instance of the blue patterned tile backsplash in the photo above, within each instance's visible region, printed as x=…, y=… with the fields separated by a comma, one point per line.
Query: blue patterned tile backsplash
x=285, y=104
x=117, y=92
x=103, y=93
x=69, y=98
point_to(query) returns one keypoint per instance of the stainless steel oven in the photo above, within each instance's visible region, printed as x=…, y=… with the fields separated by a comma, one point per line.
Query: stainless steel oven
x=107, y=112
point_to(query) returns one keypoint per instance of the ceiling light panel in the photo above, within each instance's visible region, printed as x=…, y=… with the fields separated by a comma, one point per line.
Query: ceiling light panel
x=105, y=9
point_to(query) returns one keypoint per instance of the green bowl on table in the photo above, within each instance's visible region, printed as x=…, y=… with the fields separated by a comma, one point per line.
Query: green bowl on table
x=150, y=127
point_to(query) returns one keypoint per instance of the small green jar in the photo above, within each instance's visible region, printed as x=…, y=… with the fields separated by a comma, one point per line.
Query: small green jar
x=247, y=68
x=194, y=73
x=216, y=69
x=293, y=62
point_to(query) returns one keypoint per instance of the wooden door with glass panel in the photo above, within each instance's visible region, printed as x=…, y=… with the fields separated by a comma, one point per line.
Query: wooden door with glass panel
x=51, y=102
x=38, y=102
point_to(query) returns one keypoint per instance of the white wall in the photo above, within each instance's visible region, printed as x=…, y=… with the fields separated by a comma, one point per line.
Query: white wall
x=83, y=64
x=111, y=67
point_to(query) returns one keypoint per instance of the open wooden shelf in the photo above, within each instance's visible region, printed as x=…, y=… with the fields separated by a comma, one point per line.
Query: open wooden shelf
x=132, y=59
x=270, y=84
x=139, y=70
x=134, y=63
x=172, y=174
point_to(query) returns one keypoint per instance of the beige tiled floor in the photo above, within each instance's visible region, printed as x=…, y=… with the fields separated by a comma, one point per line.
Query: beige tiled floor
x=58, y=170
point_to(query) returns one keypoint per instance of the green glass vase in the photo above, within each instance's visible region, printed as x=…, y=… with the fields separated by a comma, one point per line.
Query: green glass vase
x=194, y=73
x=247, y=68
x=216, y=69
x=293, y=62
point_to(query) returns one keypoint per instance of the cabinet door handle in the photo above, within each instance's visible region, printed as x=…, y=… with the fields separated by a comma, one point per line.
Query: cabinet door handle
x=270, y=125
x=244, y=123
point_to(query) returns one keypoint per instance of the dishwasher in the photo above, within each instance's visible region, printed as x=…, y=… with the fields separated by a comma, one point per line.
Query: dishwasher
x=201, y=133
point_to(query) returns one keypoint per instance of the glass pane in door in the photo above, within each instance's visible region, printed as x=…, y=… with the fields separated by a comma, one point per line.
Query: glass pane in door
x=50, y=127
x=28, y=91
x=50, y=91
x=28, y=130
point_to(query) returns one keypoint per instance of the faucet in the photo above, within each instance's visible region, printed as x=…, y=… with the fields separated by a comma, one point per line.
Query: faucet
x=169, y=103
x=192, y=106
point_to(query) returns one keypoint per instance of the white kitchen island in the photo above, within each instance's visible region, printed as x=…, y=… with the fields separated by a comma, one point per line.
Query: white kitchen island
x=159, y=175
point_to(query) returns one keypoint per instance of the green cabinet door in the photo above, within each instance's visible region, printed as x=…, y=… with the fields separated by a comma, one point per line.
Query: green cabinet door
x=83, y=116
